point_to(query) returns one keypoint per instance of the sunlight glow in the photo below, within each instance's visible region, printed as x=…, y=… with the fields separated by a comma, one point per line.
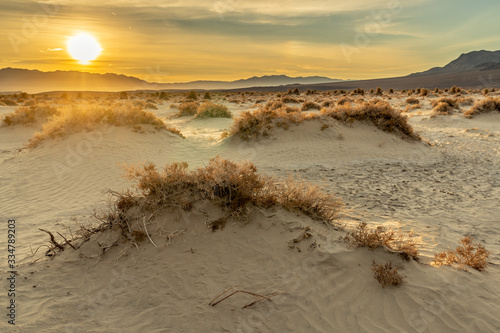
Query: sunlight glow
x=84, y=48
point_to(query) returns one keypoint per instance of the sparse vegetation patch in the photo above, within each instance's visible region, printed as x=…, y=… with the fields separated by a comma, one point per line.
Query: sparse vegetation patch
x=212, y=110
x=467, y=254
x=87, y=117
x=187, y=109
x=484, y=106
x=26, y=115
x=387, y=275
x=380, y=114
x=380, y=237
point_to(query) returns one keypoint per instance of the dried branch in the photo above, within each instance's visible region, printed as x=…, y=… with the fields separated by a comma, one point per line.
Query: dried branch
x=53, y=240
x=67, y=242
x=147, y=233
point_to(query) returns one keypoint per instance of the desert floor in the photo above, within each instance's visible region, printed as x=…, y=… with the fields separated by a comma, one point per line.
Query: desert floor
x=443, y=188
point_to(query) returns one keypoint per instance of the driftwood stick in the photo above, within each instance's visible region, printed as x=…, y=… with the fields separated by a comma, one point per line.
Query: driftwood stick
x=53, y=240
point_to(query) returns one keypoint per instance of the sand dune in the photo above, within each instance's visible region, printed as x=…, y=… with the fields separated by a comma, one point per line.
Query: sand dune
x=443, y=187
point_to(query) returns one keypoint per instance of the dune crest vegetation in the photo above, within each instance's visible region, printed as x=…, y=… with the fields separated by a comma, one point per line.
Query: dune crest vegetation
x=63, y=120
x=484, y=106
x=260, y=123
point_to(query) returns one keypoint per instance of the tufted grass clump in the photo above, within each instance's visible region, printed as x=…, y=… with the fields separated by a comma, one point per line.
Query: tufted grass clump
x=412, y=100
x=26, y=115
x=262, y=122
x=380, y=237
x=230, y=185
x=310, y=105
x=484, y=106
x=87, y=117
x=212, y=110
x=187, y=109
x=379, y=113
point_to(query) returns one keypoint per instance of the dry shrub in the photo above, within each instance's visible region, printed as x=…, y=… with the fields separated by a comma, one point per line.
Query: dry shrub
x=87, y=117
x=212, y=110
x=151, y=106
x=484, y=106
x=358, y=91
x=230, y=185
x=309, y=105
x=467, y=254
x=187, y=109
x=289, y=99
x=274, y=105
x=412, y=100
x=442, y=109
x=192, y=95
x=451, y=102
x=25, y=115
x=260, y=123
x=387, y=275
x=410, y=107
x=309, y=199
x=363, y=236
x=328, y=103
x=455, y=90
x=465, y=101
x=344, y=100
x=380, y=114
x=8, y=102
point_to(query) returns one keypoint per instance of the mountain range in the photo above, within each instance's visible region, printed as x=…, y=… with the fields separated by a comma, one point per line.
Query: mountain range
x=475, y=60
x=477, y=69
x=34, y=81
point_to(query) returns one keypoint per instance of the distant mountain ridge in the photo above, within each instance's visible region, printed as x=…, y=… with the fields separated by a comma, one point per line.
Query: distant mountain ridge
x=475, y=60
x=256, y=81
x=34, y=81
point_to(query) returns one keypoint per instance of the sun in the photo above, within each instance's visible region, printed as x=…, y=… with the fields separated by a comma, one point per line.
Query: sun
x=84, y=48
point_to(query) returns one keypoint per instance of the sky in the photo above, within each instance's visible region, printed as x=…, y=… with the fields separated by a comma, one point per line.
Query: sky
x=187, y=40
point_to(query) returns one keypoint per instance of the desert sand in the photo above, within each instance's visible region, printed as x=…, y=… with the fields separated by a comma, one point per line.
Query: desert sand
x=442, y=188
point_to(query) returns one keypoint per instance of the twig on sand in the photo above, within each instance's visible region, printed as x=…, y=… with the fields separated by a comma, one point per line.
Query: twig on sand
x=53, y=240
x=147, y=233
x=235, y=291
x=36, y=250
x=67, y=242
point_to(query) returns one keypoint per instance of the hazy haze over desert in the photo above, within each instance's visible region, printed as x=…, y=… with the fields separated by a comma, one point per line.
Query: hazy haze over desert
x=237, y=166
